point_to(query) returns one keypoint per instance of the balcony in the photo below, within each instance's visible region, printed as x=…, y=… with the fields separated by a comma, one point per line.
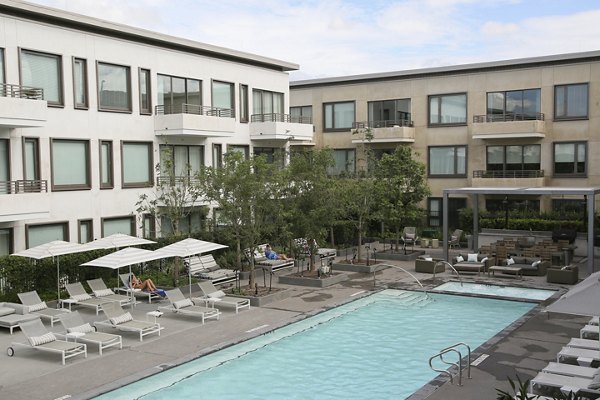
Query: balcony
x=285, y=127
x=519, y=178
x=194, y=120
x=24, y=200
x=508, y=126
x=387, y=131
x=22, y=106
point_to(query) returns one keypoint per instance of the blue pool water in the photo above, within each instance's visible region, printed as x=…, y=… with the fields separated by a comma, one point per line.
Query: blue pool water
x=376, y=347
x=496, y=290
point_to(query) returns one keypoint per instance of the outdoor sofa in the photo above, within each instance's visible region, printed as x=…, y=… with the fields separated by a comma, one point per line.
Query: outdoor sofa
x=531, y=266
x=473, y=262
x=568, y=275
x=429, y=265
x=12, y=314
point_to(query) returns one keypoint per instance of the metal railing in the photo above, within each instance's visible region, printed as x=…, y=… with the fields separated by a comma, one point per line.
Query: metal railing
x=275, y=117
x=175, y=180
x=21, y=92
x=508, y=117
x=509, y=174
x=459, y=364
x=23, y=186
x=389, y=123
x=194, y=109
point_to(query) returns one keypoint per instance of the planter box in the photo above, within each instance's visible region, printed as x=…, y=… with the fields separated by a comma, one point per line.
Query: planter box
x=266, y=299
x=313, y=282
x=358, y=267
x=410, y=256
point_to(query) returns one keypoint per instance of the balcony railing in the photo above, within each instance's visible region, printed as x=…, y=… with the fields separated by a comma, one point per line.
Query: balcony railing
x=194, y=109
x=389, y=123
x=508, y=117
x=275, y=117
x=176, y=180
x=21, y=92
x=509, y=174
x=23, y=186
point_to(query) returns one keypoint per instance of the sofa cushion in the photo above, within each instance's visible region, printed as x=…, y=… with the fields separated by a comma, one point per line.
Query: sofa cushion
x=520, y=260
x=6, y=311
x=85, y=328
x=121, y=319
x=182, y=303
x=510, y=261
x=472, y=257
x=38, y=307
x=459, y=258
x=45, y=338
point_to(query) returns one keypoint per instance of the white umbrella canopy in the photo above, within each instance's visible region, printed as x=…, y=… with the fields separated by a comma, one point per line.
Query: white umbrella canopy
x=124, y=258
x=118, y=240
x=581, y=299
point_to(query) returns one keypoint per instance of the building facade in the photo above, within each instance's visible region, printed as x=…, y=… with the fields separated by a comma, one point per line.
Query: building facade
x=87, y=108
x=518, y=123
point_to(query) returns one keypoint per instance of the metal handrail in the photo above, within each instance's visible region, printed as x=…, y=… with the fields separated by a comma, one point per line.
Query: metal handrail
x=468, y=355
x=195, y=109
x=278, y=117
x=508, y=117
x=444, y=371
x=451, y=266
x=23, y=186
x=388, y=123
x=176, y=180
x=508, y=174
x=21, y=92
x=396, y=266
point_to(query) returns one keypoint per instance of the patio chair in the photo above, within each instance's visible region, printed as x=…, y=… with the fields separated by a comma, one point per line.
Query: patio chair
x=545, y=381
x=117, y=318
x=572, y=355
x=589, y=332
x=39, y=338
x=79, y=296
x=409, y=237
x=84, y=332
x=220, y=299
x=570, y=370
x=126, y=280
x=184, y=306
x=594, y=321
x=455, y=238
x=35, y=305
x=584, y=343
x=261, y=260
x=101, y=291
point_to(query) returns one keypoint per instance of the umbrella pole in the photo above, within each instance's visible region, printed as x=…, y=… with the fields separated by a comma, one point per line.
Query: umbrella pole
x=190, y=275
x=132, y=299
x=58, y=280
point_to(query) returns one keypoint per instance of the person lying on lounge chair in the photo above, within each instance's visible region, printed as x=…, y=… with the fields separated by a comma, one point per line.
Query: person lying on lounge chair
x=146, y=285
x=271, y=255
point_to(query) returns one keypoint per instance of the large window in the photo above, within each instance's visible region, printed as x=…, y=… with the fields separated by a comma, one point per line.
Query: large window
x=223, y=96
x=389, y=113
x=114, y=87
x=448, y=161
x=125, y=225
x=80, y=88
x=514, y=158
x=571, y=101
x=42, y=70
x=242, y=149
x=338, y=116
x=70, y=164
x=301, y=114
x=191, y=223
x=244, y=109
x=266, y=102
x=448, y=109
x=106, y=165
x=86, y=231
x=435, y=211
x=2, y=79
x=514, y=104
x=44, y=233
x=31, y=159
x=145, y=93
x=6, y=241
x=345, y=162
x=570, y=158
x=136, y=159
x=217, y=156
x=4, y=164
x=179, y=95
x=180, y=160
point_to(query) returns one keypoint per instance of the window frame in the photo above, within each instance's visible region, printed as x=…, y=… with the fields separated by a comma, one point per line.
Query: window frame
x=244, y=104
x=149, y=224
x=301, y=116
x=245, y=147
x=217, y=158
x=504, y=156
x=231, y=95
x=85, y=105
x=2, y=65
x=77, y=186
x=569, y=118
x=129, y=108
x=148, y=73
x=61, y=82
x=345, y=171
x=8, y=159
x=372, y=121
x=455, y=174
x=111, y=164
x=333, y=104
x=150, y=182
x=37, y=170
x=65, y=226
x=170, y=148
x=431, y=124
x=169, y=108
x=130, y=217
x=504, y=99
x=90, y=223
x=11, y=239
x=575, y=174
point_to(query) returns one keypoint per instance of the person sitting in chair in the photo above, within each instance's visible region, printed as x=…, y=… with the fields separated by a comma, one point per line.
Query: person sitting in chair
x=271, y=255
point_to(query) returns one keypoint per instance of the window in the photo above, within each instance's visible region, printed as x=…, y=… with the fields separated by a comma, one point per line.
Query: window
x=191, y=223
x=339, y=116
x=80, y=88
x=570, y=158
x=183, y=161
x=244, y=103
x=86, y=231
x=222, y=97
x=345, y=162
x=179, y=95
x=106, y=164
x=6, y=241
x=4, y=165
x=266, y=102
x=44, y=233
x=145, y=93
x=70, y=164
x=388, y=113
x=571, y=101
x=136, y=159
x=217, y=156
x=244, y=150
x=301, y=114
x=2, y=79
x=514, y=158
x=125, y=225
x=448, y=161
x=514, y=105
x=114, y=87
x=448, y=109
x=42, y=70
x=149, y=226
x=271, y=154
x=31, y=159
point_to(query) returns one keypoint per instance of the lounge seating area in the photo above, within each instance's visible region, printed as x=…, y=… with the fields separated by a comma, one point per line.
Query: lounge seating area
x=122, y=320
x=260, y=259
x=206, y=267
x=532, y=266
x=185, y=306
x=80, y=297
x=219, y=299
x=36, y=306
x=429, y=265
x=473, y=262
x=12, y=314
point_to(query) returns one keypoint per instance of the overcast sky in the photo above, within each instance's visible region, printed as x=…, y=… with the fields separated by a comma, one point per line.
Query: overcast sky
x=336, y=37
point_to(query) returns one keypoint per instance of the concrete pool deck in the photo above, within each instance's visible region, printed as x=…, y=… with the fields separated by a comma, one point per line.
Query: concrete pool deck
x=32, y=374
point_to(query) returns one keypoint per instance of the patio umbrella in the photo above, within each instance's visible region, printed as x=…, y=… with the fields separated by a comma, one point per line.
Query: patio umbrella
x=119, y=240
x=55, y=248
x=187, y=248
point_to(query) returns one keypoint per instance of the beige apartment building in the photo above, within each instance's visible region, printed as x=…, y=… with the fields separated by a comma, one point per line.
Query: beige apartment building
x=531, y=122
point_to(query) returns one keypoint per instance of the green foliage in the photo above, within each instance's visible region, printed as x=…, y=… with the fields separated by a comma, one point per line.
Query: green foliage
x=522, y=220
x=521, y=388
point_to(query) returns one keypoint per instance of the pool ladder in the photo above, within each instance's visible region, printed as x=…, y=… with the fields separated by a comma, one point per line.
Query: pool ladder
x=459, y=364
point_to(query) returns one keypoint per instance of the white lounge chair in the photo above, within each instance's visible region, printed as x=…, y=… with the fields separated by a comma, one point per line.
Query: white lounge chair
x=119, y=319
x=584, y=343
x=182, y=305
x=260, y=259
x=545, y=382
x=589, y=332
x=35, y=305
x=206, y=267
x=594, y=321
x=127, y=288
x=581, y=356
x=570, y=370
x=84, y=332
x=79, y=296
x=220, y=299
x=39, y=338
x=101, y=291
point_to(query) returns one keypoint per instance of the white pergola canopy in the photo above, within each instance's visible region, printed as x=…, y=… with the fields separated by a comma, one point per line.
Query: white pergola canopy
x=588, y=193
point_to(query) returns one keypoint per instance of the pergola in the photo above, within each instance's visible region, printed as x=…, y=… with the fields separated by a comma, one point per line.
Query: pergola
x=588, y=193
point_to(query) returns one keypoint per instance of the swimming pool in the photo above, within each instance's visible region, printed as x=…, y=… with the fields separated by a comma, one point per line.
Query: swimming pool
x=496, y=290
x=375, y=347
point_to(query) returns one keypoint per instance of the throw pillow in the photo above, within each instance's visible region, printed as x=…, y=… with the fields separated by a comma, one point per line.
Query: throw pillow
x=564, y=268
x=81, y=297
x=182, y=303
x=103, y=292
x=428, y=258
x=46, y=338
x=484, y=259
x=472, y=257
x=85, y=328
x=510, y=261
x=121, y=319
x=536, y=263
x=459, y=258
x=38, y=307
x=218, y=294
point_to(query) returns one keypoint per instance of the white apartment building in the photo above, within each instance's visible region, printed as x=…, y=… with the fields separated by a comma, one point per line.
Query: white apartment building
x=85, y=106
x=517, y=123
